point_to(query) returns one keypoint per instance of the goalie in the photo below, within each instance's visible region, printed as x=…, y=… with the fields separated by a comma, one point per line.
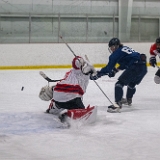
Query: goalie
x=66, y=95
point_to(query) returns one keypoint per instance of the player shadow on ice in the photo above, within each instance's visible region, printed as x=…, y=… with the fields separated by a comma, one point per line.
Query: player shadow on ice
x=106, y=117
x=125, y=108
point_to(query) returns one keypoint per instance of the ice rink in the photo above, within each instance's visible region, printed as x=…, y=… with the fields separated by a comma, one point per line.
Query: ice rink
x=27, y=133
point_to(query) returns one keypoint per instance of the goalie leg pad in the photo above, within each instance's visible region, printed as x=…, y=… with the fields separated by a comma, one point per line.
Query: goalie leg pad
x=88, y=115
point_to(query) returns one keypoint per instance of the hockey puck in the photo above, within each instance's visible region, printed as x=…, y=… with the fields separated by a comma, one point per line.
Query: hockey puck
x=22, y=88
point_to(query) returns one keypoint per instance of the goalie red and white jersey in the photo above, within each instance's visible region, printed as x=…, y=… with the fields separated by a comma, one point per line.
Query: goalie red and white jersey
x=73, y=85
x=153, y=50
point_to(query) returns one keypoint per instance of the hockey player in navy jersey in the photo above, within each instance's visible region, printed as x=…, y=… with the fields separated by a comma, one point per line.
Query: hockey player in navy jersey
x=134, y=65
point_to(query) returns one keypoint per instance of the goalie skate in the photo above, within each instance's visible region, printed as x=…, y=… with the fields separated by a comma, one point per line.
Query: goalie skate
x=53, y=109
x=59, y=123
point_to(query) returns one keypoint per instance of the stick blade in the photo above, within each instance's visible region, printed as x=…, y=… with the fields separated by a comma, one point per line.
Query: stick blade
x=43, y=74
x=47, y=78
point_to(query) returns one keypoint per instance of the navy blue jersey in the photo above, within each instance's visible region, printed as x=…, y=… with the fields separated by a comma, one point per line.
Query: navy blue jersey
x=124, y=56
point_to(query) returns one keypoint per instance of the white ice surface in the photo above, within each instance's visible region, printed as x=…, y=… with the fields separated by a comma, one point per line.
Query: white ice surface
x=27, y=133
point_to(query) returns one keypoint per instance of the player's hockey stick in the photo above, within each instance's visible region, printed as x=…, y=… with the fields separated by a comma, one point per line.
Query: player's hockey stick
x=47, y=78
x=98, y=84
x=93, y=67
x=68, y=46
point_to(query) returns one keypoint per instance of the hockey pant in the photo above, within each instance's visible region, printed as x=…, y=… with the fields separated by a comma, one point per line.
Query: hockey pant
x=75, y=103
x=130, y=78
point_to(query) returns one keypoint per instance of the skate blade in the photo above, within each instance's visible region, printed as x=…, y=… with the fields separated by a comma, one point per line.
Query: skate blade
x=126, y=104
x=113, y=111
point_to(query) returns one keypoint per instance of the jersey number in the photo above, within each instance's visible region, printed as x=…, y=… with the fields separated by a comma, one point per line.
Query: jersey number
x=128, y=50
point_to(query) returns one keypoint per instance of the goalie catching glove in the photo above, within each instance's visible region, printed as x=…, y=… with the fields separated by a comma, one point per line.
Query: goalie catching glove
x=46, y=93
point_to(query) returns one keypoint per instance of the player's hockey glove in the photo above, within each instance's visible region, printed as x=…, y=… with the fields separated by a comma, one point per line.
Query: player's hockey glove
x=152, y=61
x=95, y=77
x=158, y=49
x=113, y=72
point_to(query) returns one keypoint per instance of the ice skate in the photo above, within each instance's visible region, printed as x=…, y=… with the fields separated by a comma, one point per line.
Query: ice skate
x=126, y=101
x=63, y=117
x=115, y=108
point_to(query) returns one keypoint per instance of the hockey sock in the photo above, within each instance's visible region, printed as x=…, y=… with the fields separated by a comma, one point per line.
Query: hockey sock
x=130, y=92
x=118, y=91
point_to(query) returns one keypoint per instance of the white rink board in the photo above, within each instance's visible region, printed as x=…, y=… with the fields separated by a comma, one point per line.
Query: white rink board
x=58, y=54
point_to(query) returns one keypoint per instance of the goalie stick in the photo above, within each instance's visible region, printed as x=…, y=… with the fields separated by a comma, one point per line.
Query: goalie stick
x=47, y=78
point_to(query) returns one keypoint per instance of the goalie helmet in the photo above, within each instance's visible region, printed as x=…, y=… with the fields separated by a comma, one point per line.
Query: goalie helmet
x=77, y=62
